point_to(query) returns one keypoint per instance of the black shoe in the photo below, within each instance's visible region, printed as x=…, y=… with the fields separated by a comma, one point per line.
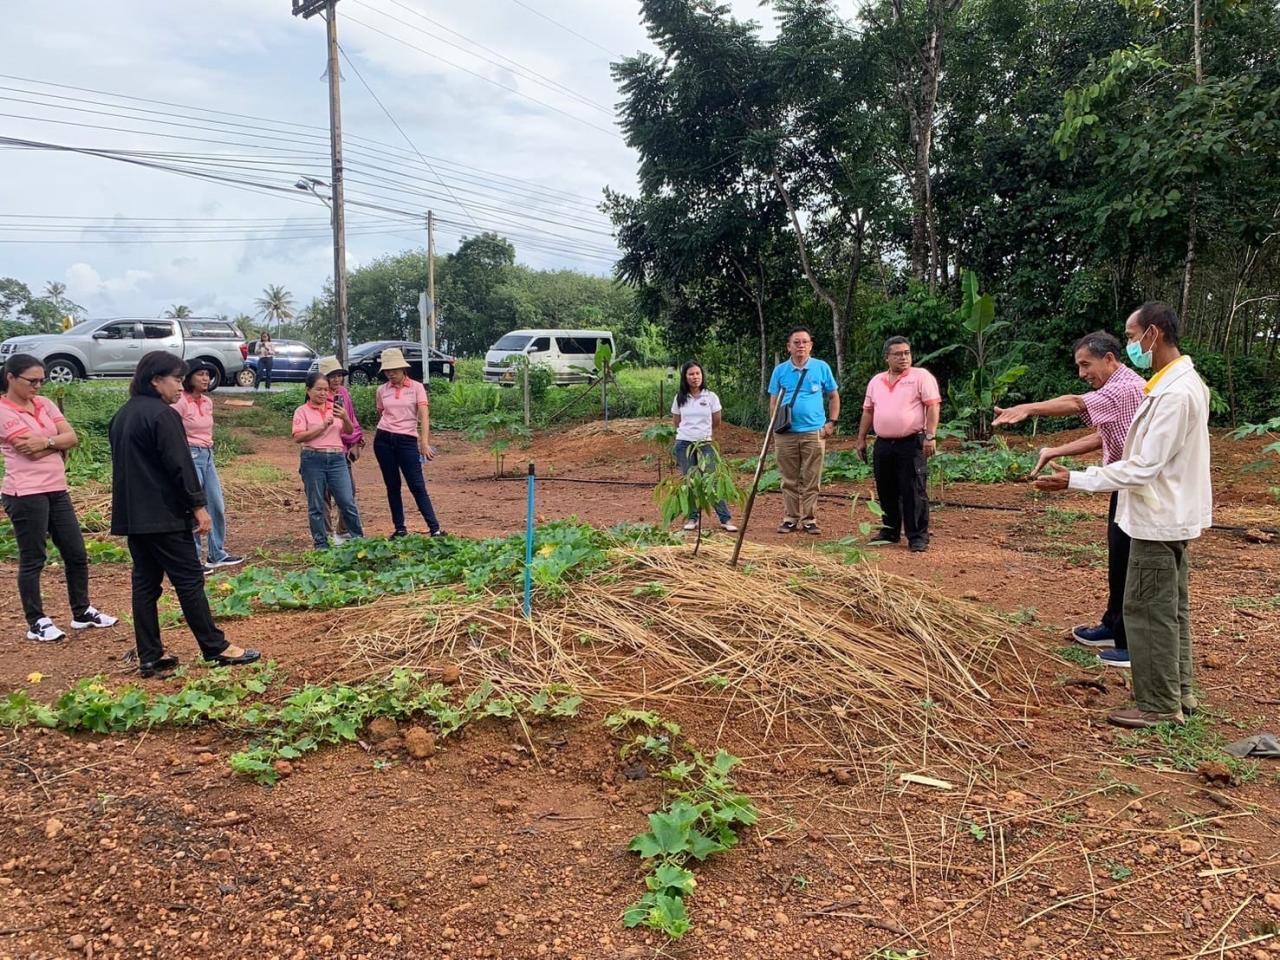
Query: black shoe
x=163, y=667
x=888, y=536
x=920, y=546
x=398, y=534
x=438, y=533
x=249, y=656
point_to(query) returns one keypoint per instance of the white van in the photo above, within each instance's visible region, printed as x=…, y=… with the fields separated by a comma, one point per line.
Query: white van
x=566, y=353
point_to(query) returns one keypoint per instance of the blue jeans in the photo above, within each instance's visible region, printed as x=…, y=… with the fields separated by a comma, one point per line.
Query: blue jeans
x=397, y=453
x=202, y=460
x=686, y=457
x=327, y=473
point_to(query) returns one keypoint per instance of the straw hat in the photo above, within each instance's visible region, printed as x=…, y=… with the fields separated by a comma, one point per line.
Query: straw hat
x=330, y=365
x=392, y=359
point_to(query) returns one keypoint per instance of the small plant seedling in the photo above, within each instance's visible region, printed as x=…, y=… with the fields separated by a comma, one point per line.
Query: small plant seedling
x=978, y=832
x=717, y=682
x=383, y=763
x=651, y=589
x=1118, y=871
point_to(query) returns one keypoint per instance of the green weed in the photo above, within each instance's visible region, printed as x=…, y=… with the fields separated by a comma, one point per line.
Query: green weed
x=1080, y=656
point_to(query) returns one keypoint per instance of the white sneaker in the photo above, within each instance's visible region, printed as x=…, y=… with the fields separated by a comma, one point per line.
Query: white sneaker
x=45, y=632
x=93, y=618
x=340, y=538
x=691, y=525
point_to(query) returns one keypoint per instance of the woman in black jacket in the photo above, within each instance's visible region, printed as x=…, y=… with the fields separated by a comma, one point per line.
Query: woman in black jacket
x=156, y=500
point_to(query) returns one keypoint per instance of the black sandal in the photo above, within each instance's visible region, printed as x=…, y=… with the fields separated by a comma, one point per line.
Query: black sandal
x=249, y=656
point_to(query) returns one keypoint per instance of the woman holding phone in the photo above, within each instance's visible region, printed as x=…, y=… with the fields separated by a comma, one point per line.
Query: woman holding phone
x=266, y=359
x=318, y=426
x=401, y=444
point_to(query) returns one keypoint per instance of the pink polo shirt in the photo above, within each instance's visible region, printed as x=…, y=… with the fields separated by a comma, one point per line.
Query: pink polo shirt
x=898, y=406
x=398, y=407
x=307, y=417
x=23, y=476
x=197, y=418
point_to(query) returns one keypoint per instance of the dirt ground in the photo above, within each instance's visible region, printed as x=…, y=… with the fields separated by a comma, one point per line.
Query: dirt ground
x=146, y=845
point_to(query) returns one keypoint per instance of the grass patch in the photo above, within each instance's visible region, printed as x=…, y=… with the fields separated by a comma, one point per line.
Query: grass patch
x=1059, y=522
x=1077, y=554
x=1080, y=657
x=1185, y=746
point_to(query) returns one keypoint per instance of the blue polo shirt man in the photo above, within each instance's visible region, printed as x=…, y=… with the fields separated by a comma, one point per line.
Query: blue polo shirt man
x=811, y=386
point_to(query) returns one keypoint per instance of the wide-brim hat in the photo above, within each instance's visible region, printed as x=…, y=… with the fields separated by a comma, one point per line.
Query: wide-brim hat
x=392, y=359
x=330, y=365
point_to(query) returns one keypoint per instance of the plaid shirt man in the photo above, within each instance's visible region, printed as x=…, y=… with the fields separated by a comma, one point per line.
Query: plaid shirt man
x=1111, y=410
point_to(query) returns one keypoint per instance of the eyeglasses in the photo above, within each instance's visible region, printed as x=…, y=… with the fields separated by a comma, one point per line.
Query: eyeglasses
x=900, y=353
x=34, y=381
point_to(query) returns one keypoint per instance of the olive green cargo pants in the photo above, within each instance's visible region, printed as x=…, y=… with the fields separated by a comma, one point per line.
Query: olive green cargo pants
x=1157, y=621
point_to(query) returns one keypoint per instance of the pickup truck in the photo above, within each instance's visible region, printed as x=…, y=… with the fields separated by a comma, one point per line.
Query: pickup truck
x=112, y=347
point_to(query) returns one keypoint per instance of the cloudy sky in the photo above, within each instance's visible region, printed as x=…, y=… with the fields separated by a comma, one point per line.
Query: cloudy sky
x=505, y=107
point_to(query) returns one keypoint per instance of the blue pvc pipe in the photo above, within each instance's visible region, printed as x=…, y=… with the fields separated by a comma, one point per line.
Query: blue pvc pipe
x=528, y=548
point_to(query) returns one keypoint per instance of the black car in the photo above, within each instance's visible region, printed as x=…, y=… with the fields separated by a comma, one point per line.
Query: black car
x=363, y=361
x=293, y=359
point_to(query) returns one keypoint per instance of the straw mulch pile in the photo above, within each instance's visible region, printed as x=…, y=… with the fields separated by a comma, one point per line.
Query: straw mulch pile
x=242, y=495
x=879, y=668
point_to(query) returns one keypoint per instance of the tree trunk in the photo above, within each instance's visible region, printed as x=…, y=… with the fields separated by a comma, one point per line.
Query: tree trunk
x=825, y=295
x=764, y=344
x=1189, y=262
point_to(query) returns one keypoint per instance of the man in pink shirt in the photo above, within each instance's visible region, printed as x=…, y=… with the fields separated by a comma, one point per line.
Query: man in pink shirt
x=1109, y=407
x=902, y=405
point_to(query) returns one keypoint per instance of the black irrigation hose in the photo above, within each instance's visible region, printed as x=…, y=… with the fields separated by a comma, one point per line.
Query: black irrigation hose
x=836, y=497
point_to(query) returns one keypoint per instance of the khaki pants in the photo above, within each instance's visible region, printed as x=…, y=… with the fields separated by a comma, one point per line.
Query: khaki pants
x=800, y=464
x=1157, y=623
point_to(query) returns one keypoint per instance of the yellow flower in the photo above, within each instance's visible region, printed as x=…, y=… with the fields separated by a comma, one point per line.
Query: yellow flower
x=35, y=677
x=362, y=554
x=224, y=587
x=547, y=551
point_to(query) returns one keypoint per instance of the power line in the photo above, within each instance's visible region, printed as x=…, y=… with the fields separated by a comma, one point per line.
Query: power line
x=522, y=234
x=541, y=79
x=481, y=76
x=276, y=123
x=566, y=29
x=396, y=124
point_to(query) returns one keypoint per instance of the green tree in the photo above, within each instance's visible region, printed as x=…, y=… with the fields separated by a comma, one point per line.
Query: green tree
x=473, y=313
x=275, y=305
x=179, y=311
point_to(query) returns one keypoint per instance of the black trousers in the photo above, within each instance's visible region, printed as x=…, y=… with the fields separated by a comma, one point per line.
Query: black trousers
x=901, y=471
x=265, y=365
x=154, y=556
x=48, y=515
x=1117, y=570
x=397, y=453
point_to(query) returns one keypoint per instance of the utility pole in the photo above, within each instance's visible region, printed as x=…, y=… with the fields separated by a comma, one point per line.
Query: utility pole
x=307, y=9
x=431, y=275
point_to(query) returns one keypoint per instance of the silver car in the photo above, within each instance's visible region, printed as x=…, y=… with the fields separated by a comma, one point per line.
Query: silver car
x=112, y=347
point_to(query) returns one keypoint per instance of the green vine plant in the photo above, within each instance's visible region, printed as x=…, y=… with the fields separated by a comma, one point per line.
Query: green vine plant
x=307, y=719
x=703, y=815
x=708, y=482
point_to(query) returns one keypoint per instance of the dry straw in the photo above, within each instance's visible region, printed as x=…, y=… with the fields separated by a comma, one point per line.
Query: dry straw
x=888, y=670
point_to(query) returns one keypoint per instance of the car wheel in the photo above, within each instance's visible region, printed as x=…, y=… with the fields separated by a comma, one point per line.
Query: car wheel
x=359, y=377
x=61, y=371
x=246, y=377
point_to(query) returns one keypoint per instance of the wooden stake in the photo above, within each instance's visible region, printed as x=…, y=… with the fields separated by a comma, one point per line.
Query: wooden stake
x=755, y=483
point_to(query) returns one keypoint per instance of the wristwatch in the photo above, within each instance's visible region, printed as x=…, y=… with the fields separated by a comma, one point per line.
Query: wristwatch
x=49, y=443
x=927, y=437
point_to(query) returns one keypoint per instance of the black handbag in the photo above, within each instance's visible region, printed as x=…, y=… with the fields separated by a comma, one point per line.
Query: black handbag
x=783, y=423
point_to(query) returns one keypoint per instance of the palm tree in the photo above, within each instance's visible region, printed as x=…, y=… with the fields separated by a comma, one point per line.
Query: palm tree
x=275, y=305
x=179, y=311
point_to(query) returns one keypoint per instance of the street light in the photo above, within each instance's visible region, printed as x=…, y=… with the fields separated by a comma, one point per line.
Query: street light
x=309, y=185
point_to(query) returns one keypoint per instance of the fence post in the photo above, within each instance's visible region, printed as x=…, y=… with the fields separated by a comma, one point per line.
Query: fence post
x=528, y=548
x=526, y=394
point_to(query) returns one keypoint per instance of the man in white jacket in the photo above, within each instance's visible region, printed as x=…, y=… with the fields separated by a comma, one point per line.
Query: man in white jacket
x=1164, y=502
